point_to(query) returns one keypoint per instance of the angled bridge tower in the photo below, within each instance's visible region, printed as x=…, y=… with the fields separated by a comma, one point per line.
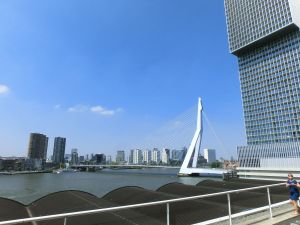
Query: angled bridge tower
x=193, y=152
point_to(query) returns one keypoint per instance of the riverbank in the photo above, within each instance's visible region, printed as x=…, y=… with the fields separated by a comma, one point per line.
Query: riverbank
x=24, y=172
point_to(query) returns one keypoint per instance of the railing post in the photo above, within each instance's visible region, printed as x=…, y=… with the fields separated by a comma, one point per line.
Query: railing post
x=65, y=221
x=270, y=204
x=168, y=214
x=229, y=209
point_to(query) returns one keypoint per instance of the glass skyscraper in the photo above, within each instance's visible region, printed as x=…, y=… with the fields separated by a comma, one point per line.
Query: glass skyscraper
x=59, y=150
x=265, y=36
x=38, y=145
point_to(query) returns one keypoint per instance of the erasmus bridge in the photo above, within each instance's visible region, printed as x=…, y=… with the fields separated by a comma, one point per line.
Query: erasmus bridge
x=189, y=165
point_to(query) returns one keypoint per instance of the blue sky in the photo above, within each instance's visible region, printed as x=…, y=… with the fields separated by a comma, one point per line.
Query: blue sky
x=106, y=74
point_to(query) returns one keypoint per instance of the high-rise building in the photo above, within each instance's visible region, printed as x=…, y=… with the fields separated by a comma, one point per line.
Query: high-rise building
x=81, y=159
x=130, y=157
x=120, y=157
x=100, y=159
x=155, y=156
x=165, y=156
x=108, y=159
x=68, y=157
x=265, y=36
x=136, y=156
x=59, y=150
x=74, y=156
x=146, y=156
x=210, y=155
x=178, y=155
x=38, y=145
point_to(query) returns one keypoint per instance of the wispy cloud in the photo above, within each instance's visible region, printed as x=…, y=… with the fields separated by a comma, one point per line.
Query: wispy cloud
x=103, y=111
x=3, y=89
x=97, y=109
x=78, y=108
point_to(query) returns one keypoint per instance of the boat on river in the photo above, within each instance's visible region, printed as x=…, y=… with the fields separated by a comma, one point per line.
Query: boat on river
x=68, y=170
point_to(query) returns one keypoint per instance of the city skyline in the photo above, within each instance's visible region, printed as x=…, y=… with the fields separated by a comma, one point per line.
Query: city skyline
x=105, y=80
x=58, y=154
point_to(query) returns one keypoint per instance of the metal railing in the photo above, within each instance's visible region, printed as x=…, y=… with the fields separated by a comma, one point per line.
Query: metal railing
x=230, y=216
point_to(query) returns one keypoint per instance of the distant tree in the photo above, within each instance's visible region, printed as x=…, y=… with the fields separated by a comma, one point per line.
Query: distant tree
x=215, y=164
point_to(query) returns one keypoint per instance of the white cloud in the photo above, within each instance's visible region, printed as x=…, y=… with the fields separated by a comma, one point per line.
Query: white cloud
x=103, y=111
x=97, y=109
x=78, y=108
x=3, y=89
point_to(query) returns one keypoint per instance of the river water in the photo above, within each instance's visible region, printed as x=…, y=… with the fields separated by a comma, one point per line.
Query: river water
x=26, y=188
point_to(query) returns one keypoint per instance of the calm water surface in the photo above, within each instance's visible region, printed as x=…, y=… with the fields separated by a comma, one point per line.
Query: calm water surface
x=29, y=187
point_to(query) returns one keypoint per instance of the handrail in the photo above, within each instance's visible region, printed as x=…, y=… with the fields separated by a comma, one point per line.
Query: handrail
x=220, y=219
x=94, y=211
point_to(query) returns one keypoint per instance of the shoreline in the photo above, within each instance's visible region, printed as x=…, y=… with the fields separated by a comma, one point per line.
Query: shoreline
x=24, y=172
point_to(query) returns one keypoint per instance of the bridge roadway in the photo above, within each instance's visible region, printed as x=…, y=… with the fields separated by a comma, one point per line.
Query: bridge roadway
x=187, y=171
x=109, y=166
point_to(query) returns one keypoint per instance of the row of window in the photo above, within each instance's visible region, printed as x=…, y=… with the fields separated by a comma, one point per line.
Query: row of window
x=287, y=44
x=277, y=89
x=248, y=21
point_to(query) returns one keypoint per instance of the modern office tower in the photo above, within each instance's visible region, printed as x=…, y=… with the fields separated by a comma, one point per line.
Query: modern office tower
x=130, y=157
x=108, y=159
x=81, y=159
x=178, y=155
x=92, y=156
x=100, y=159
x=37, y=148
x=155, y=155
x=265, y=36
x=165, y=156
x=120, y=157
x=136, y=156
x=146, y=156
x=59, y=150
x=175, y=154
x=74, y=156
x=68, y=157
x=210, y=155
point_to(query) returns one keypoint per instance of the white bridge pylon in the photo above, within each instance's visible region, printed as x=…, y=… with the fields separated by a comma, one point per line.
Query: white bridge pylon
x=193, y=151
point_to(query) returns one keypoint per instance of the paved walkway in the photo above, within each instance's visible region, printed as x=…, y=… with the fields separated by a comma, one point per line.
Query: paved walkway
x=292, y=221
x=282, y=215
x=285, y=217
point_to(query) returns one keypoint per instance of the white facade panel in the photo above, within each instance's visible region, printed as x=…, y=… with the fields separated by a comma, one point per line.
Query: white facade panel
x=279, y=163
x=147, y=156
x=165, y=156
x=210, y=155
x=295, y=10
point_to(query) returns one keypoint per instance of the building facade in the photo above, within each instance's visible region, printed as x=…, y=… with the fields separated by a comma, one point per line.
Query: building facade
x=146, y=156
x=265, y=36
x=38, y=145
x=210, y=155
x=59, y=150
x=165, y=156
x=155, y=156
x=137, y=157
x=74, y=156
x=120, y=157
x=100, y=159
x=178, y=155
x=108, y=159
